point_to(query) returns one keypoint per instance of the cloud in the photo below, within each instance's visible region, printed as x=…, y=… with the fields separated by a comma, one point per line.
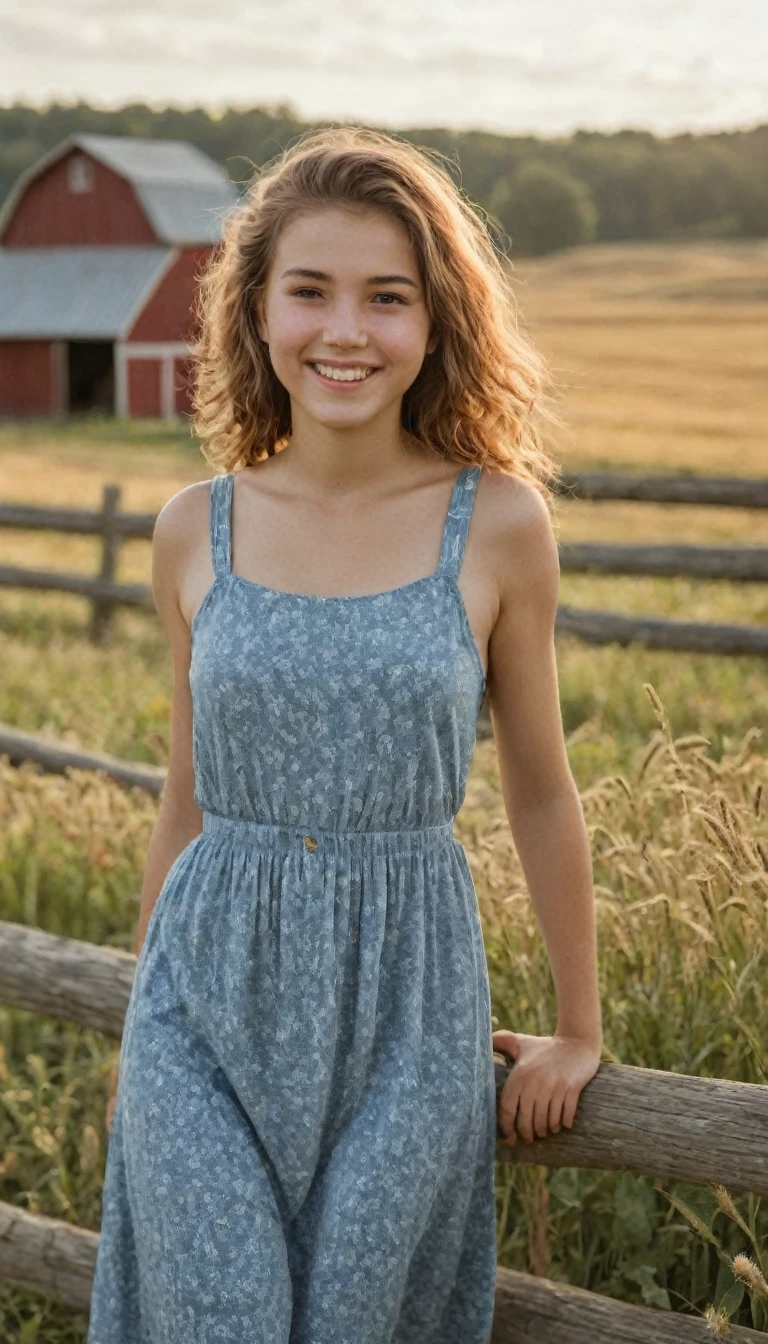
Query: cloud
x=516, y=64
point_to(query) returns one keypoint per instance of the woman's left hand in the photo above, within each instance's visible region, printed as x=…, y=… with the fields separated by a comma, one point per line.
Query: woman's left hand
x=542, y=1090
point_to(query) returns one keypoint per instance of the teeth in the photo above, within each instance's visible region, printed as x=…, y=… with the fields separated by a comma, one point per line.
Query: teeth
x=343, y=375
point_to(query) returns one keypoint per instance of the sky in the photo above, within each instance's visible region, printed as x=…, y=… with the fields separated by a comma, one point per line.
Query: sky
x=540, y=66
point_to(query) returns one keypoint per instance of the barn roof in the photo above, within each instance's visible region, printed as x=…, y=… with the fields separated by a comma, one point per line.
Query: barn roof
x=70, y=293
x=183, y=192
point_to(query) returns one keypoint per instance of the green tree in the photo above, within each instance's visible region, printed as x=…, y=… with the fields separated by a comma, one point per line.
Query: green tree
x=640, y=186
x=623, y=171
x=543, y=208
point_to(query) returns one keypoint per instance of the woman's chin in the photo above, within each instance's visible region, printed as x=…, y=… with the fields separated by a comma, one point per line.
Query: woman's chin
x=342, y=417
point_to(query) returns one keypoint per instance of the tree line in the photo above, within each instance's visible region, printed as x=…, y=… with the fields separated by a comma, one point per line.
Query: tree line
x=541, y=194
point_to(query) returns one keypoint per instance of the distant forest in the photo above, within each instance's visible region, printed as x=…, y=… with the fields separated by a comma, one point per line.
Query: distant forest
x=544, y=194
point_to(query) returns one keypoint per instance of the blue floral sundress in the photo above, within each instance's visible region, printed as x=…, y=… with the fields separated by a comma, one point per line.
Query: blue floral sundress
x=303, y=1141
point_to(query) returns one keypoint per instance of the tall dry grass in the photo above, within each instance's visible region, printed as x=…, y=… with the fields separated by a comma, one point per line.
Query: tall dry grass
x=681, y=882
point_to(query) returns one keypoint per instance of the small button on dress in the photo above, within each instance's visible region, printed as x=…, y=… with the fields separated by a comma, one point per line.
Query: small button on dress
x=303, y=1138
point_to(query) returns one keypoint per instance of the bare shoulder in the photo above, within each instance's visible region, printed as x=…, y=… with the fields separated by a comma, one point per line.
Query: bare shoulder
x=518, y=533
x=178, y=540
x=186, y=508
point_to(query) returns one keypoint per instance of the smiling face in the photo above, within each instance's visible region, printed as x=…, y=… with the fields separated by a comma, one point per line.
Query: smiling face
x=344, y=315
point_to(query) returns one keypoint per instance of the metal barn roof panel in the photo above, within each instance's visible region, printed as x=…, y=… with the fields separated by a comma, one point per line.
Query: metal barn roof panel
x=154, y=160
x=184, y=192
x=180, y=214
x=75, y=293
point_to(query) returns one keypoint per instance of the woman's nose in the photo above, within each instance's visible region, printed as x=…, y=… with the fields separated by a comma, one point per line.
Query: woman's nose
x=344, y=328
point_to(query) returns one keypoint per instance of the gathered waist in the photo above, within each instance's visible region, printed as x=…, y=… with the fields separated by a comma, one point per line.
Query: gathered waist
x=316, y=840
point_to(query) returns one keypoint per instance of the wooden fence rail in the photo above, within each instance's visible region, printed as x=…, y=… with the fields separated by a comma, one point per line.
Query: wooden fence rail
x=608, y=627
x=736, y=564
x=531, y=1310
x=668, y=1126
x=99, y=590
x=56, y=758
x=720, y=491
x=48, y=1255
x=671, y=1126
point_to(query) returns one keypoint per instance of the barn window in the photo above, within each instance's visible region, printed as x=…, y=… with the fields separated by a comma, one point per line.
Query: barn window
x=80, y=174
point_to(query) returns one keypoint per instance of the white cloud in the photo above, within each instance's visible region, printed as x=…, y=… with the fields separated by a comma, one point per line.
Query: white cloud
x=505, y=64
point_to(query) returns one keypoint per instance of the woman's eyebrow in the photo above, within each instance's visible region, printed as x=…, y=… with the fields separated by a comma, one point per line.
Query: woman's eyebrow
x=391, y=280
x=372, y=279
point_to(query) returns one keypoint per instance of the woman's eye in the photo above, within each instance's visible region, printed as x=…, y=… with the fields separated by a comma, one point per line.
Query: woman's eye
x=307, y=292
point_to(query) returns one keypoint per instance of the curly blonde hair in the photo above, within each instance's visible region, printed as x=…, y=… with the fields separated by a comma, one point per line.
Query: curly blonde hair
x=478, y=399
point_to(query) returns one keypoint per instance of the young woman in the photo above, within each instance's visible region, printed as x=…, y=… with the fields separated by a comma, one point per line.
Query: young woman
x=303, y=1142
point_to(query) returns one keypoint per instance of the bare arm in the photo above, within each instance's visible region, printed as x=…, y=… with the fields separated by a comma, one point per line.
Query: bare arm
x=179, y=820
x=539, y=791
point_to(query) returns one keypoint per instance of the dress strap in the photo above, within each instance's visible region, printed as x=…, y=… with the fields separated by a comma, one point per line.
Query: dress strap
x=221, y=523
x=457, y=520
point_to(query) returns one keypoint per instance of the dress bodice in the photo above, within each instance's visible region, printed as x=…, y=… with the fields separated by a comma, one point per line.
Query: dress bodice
x=349, y=712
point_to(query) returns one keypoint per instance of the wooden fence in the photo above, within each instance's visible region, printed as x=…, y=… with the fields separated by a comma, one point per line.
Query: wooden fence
x=731, y=563
x=665, y=1125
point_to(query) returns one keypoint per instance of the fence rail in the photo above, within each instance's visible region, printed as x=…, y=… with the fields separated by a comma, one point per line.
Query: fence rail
x=58, y=757
x=747, y=564
x=671, y=1126
x=665, y=1125
x=608, y=627
x=48, y=1255
x=532, y=1310
x=736, y=564
x=721, y=491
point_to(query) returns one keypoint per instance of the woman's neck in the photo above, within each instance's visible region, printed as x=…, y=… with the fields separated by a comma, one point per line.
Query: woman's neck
x=328, y=457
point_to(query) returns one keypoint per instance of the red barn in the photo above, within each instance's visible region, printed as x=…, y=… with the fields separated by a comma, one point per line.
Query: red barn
x=100, y=242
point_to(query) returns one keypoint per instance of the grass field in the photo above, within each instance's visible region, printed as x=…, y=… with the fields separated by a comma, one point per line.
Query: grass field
x=662, y=356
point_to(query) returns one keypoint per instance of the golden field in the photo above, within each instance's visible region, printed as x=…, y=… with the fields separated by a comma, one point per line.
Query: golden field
x=661, y=355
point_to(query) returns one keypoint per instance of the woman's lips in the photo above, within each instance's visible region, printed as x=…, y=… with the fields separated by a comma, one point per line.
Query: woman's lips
x=341, y=383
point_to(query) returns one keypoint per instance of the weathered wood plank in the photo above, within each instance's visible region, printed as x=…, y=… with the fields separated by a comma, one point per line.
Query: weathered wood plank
x=81, y=585
x=57, y=757
x=47, y=1255
x=736, y=564
x=67, y=978
x=39, y=518
x=532, y=1310
x=672, y=1126
x=667, y=1125
x=720, y=491
x=607, y=627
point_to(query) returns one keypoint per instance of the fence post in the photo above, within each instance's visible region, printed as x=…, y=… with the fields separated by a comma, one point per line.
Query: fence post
x=110, y=544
